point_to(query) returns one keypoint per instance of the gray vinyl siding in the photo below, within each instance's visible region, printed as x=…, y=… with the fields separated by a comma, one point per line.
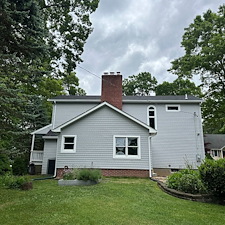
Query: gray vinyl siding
x=179, y=134
x=50, y=147
x=94, y=146
x=67, y=111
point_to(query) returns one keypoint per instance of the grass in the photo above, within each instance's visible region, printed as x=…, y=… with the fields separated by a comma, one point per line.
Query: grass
x=114, y=201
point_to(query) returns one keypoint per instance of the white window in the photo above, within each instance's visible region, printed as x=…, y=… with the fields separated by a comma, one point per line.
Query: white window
x=126, y=147
x=172, y=108
x=68, y=144
x=152, y=117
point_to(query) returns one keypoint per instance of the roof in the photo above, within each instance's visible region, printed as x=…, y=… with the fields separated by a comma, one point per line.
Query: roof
x=214, y=141
x=51, y=135
x=43, y=130
x=151, y=130
x=130, y=99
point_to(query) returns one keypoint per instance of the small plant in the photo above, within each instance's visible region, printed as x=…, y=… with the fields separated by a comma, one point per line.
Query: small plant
x=83, y=174
x=186, y=180
x=89, y=174
x=212, y=174
x=70, y=175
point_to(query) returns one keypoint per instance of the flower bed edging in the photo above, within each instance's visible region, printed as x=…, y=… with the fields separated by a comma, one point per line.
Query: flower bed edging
x=76, y=182
x=183, y=195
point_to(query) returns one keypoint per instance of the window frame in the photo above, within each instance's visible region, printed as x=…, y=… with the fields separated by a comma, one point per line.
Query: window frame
x=126, y=156
x=63, y=150
x=173, y=110
x=155, y=116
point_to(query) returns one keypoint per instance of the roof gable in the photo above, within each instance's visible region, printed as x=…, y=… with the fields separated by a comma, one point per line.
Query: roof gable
x=58, y=129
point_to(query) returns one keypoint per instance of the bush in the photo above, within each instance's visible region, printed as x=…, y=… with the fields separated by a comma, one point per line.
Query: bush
x=19, y=166
x=70, y=175
x=212, y=174
x=83, y=174
x=186, y=180
x=15, y=182
x=4, y=164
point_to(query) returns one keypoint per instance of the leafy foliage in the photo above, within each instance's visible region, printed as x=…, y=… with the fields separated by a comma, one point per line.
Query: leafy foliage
x=4, y=164
x=14, y=182
x=40, y=42
x=212, y=173
x=186, y=180
x=142, y=84
x=178, y=87
x=20, y=165
x=204, y=46
x=83, y=174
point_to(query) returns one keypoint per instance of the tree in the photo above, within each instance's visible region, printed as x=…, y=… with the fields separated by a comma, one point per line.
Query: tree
x=142, y=84
x=39, y=41
x=204, y=46
x=71, y=83
x=178, y=87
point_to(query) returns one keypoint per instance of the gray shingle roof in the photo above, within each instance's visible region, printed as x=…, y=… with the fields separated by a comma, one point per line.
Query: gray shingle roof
x=214, y=141
x=129, y=98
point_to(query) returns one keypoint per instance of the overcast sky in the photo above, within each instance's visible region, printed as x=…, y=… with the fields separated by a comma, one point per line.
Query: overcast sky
x=133, y=36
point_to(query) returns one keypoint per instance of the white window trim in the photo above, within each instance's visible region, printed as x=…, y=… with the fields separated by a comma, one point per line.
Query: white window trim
x=173, y=106
x=67, y=150
x=152, y=117
x=138, y=156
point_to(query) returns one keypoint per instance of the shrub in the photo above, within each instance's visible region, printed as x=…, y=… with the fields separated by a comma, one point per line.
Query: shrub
x=19, y=166
x=186, y=180
x=17, y=182
x=4, y=164
x=70, y=175
x=212, y=174
x=83, y=174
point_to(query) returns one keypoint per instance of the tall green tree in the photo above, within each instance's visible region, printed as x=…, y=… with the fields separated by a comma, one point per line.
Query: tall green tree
x=178, y=87
x=204, y=45
x=39, y=41
x=71, y=83
x=142, y=84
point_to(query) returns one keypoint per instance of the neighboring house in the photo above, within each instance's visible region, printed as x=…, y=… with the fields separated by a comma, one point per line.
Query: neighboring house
x=215, y=145
x=121, y=135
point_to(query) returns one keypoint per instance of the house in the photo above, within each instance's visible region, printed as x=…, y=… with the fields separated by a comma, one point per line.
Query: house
x=215, y=145
x=121, y=135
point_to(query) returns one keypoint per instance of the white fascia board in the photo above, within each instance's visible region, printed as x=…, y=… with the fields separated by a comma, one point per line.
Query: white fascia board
x=151, y=130
x=43, y=128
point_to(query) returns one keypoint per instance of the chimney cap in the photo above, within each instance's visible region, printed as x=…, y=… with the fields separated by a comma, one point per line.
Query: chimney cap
x=105, y=73
x=111, y=73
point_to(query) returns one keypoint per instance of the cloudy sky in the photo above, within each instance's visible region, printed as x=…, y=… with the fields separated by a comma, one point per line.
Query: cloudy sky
x=132, y=36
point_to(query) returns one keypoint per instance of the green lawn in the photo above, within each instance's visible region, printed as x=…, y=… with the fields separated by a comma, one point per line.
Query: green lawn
x=114, y=201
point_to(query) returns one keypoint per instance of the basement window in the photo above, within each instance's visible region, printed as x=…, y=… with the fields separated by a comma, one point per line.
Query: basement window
x=68, y=144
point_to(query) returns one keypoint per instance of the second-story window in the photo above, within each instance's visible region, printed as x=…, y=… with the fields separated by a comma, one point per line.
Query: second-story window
x=152, y=116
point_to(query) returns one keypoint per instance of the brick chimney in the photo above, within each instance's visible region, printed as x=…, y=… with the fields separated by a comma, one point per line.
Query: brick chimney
x=112, y=89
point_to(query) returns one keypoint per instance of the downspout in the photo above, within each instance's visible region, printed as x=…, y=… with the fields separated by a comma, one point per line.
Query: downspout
x=149, y=157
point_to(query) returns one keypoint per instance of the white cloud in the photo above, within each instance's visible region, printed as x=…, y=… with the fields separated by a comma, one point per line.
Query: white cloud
x=133, y=36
